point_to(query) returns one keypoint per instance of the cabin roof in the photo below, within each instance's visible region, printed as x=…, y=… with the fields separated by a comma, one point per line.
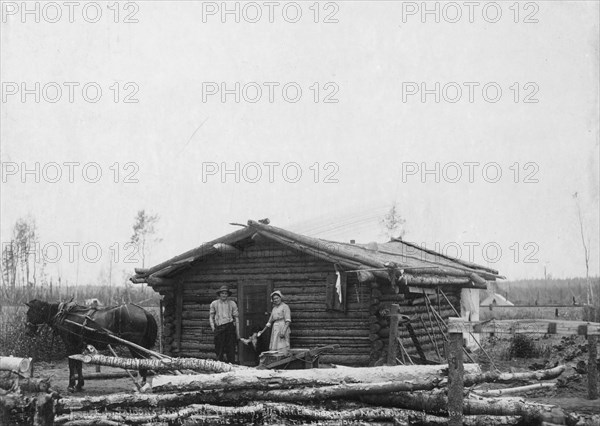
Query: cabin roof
x=393, y=258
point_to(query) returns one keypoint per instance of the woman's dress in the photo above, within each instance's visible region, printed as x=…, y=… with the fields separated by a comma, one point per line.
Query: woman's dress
x=279, y=316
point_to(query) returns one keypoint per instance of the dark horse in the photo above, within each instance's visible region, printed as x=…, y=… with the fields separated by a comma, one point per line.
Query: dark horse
x=82, y=325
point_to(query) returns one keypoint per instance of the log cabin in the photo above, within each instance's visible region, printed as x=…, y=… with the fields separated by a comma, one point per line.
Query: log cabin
x=339, y=293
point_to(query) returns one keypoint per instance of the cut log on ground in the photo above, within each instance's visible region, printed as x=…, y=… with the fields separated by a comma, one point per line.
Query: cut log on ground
x=512, y=391
x=270, y=413
x=422, y=376
x=26, y=385
x=398, y=416
x=164, y=364
x=491, y=376
x=11, y=363
x=437, y=403
x=109, y=375
x=303, y=394
x=241, y=414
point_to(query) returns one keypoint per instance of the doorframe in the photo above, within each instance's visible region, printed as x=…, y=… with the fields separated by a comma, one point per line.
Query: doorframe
x=241, y=310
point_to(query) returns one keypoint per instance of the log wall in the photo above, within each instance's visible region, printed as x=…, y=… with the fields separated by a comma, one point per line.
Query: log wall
x=301, y=278
x=430, y=333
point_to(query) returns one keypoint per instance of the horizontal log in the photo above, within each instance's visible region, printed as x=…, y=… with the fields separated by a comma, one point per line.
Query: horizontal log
x=216, y=277
x=108, y=375
x=164, y=364
x=298, y=314
x=403, y=332
x=228, y=272
x=353, y=332
x=201, y=347
x=345, y=359
x=329, y=314
x=261, y=411
x=524, y=326
x=30, y=384
x=436, y=402
x=10, y=363
x=334, y=323
x=269, y=379
x=512, y=391
x=498, y=377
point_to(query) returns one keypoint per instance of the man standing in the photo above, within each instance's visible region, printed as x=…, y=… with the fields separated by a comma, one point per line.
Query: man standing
x=224, y=321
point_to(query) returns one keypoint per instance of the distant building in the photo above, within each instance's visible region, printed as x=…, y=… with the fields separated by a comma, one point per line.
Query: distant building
x=496, y=299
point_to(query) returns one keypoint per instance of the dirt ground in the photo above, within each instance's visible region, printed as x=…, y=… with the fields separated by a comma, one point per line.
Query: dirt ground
x=58, y=372
x=571, y=391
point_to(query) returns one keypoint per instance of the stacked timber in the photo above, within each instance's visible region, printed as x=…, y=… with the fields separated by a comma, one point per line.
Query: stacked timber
x=245, y=395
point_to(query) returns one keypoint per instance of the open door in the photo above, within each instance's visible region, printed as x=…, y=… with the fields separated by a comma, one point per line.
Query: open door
x=255, y=307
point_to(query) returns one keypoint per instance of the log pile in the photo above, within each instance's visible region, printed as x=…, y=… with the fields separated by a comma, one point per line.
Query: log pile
x=408, y=395
x=405, y=395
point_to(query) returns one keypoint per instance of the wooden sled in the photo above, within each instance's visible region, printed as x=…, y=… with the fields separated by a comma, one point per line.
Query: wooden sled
x=294, y=359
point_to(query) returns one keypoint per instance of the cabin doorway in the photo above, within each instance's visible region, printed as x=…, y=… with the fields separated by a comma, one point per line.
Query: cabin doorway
x=254, y=307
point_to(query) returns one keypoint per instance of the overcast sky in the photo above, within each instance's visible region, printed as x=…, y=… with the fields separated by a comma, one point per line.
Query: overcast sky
x=362, y=147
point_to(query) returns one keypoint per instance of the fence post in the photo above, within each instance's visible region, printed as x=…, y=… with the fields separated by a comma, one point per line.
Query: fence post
x=592, y=375
x=455, y=377
x=393, y=343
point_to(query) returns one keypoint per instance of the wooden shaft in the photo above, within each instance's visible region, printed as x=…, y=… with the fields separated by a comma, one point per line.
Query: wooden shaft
x=445, y=325
x=137, y=385
x=433, y=342
x=404, y=351
x=471, y=334
x=592, y=367
x=118, y=339
x=455, y=380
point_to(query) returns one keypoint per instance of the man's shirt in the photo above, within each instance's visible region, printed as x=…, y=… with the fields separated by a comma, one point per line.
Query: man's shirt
x=223, y=312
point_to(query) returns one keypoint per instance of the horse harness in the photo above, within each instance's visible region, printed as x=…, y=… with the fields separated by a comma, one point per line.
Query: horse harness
x=66, y=309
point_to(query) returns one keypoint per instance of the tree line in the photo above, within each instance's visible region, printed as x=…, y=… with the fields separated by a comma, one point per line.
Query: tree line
x=24, y=274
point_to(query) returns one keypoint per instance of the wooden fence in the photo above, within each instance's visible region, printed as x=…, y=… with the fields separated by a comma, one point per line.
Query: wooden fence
x=563, y=312
x=458, y=326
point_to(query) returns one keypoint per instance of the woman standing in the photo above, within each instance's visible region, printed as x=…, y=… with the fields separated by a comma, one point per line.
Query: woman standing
x=280, y=320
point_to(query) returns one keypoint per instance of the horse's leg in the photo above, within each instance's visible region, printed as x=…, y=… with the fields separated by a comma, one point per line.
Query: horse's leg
x=80, y=382
x=143, y=372
x=71, y=387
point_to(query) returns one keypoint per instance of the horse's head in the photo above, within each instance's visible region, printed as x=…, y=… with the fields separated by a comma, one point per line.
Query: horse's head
x=38, y=313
